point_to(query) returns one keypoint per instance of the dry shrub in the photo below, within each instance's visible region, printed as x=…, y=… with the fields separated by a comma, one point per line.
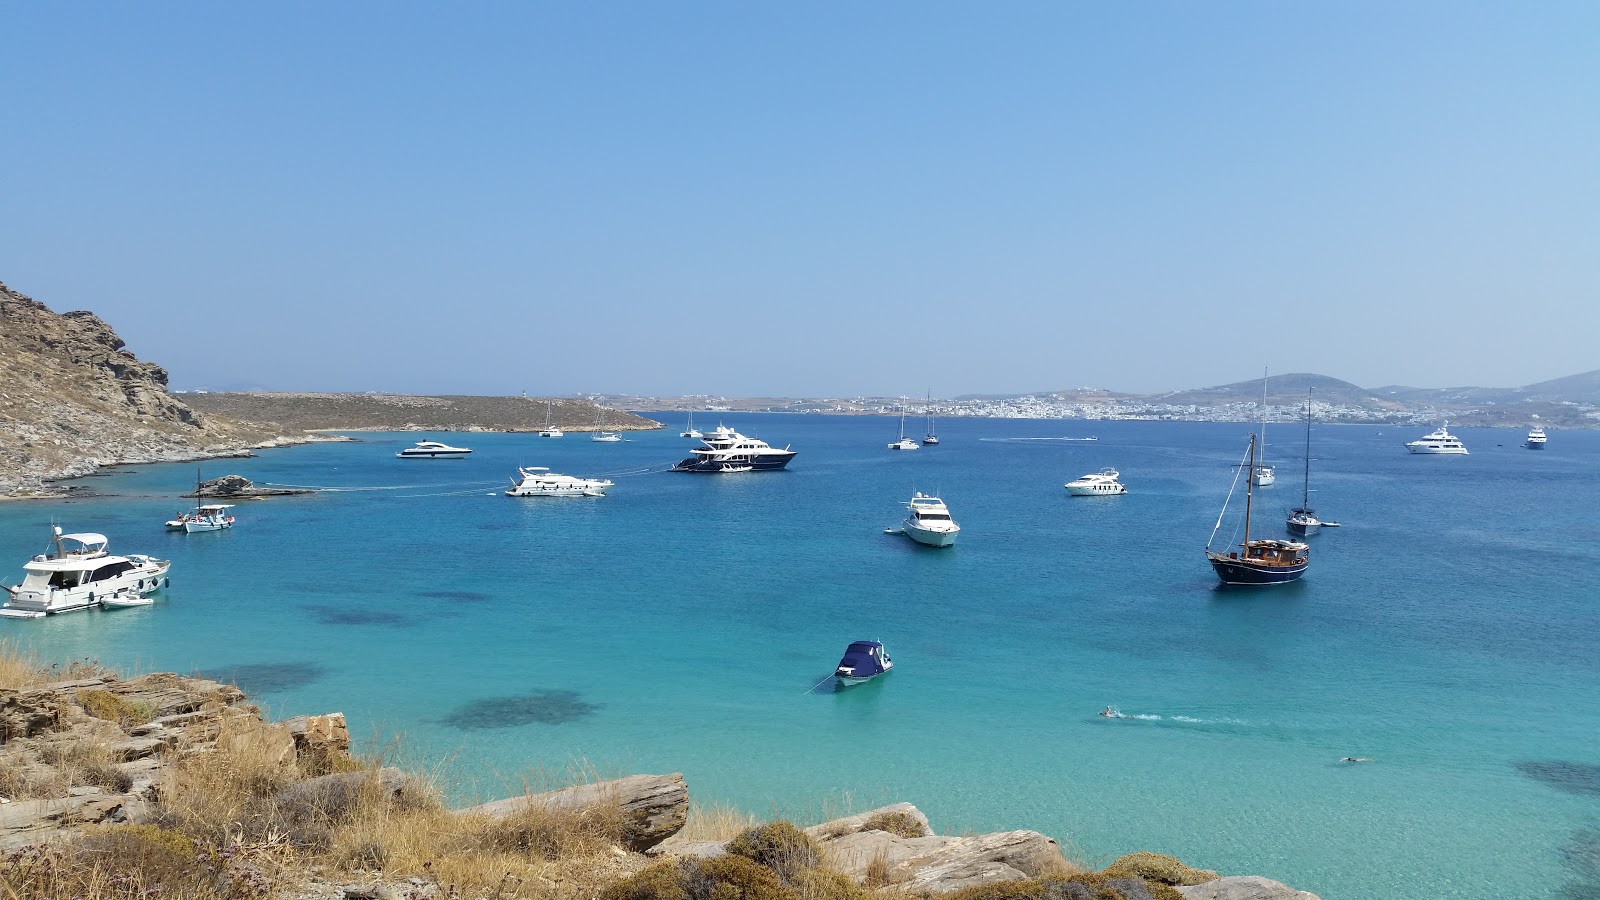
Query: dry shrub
x=1082, y=886
x=720, y=878
x=715, y=823
x=826, y=884
x=877, y=874
x=552, y=833
x=1158, y=867
x=779, y=846
x=901, y=823
x=230, y=792
x=115, y=708
x=143, y=862
x=19, y=667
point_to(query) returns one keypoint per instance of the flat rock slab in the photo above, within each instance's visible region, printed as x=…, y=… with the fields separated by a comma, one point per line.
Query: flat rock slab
x=654, y=807
x=857, y=822
x=1244, y=887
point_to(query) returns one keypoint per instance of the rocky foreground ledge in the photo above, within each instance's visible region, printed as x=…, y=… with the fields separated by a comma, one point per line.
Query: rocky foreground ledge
x=163, y=785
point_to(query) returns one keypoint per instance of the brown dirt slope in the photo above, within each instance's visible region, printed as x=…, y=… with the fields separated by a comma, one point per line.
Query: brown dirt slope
x=401, y=412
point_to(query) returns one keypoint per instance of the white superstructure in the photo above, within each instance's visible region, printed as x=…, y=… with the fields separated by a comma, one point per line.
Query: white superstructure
x=432, y=450
x=726, y=450
x=1438, y=442
x=538, y=481
x=1103, y=483
x=928, y=521
x=77, y=574
x=1536, y=438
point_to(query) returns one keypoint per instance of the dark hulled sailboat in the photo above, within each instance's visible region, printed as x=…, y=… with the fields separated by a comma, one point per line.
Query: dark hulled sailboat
x=1259, y=562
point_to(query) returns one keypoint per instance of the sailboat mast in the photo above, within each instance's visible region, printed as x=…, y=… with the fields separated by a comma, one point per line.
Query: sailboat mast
x=1263, y=419
x=1249, y=490
x=1305, y=490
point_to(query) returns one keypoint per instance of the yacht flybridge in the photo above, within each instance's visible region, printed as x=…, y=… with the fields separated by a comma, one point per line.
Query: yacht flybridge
x=1438, y=442
x=726, y=450
x=432, y=450
x=79, y=573
x=538, y=481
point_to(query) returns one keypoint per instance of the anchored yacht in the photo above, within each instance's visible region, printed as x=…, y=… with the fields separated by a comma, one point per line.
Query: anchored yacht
x=549, y=430
x=862, y=662
x=1536, y=439
x=432, y=450
x=1438, y=442
x=538, y=481
x=77, y=574
x=1103, y=483
x=726, y=450
x=928, y=522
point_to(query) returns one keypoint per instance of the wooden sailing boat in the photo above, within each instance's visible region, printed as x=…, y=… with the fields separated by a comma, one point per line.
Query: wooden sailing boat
x=1261, y=562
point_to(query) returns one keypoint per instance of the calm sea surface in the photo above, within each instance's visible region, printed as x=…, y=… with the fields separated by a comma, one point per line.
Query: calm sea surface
x=1450, y=630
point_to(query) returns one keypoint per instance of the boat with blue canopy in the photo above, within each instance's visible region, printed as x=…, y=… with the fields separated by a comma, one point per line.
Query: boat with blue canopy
x=863, y=661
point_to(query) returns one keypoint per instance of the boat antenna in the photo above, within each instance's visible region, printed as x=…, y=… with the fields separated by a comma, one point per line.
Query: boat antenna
x=1236, y=470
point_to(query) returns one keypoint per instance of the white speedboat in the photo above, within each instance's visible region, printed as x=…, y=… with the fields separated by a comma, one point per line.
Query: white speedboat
x=606, y=437
x=549, y=431
x=77, y=574
x=1103, y=483
x=1438, y=442
x=432, y=450
x=928, y=522
x=1536, y=438
x=726, y=450
x=538, y=481
x=125, y=599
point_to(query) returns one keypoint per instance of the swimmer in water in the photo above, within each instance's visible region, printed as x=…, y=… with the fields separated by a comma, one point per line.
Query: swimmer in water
x=1355, y=759
x=1110, y=713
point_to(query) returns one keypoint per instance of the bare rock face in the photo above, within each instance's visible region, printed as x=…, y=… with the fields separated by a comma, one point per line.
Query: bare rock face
x=238, y=487
x=654, y=807
x=72, y=398
x=1244, y=887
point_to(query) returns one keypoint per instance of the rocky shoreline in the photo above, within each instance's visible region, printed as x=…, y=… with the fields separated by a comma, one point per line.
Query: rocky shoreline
x=98, y=770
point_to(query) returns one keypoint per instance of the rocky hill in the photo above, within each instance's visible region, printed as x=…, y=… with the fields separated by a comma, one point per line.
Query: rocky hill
x=72, y=398
x=402, y=412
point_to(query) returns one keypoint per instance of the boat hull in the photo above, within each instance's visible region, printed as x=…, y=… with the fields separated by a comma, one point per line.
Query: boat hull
x=764, y=463
x=432, y=454
x=1234, y=571
x=144, y=578
x=1094, y=491
x=191, y=527
x=1534, y=445
x=1437, y=451
x=929, y=538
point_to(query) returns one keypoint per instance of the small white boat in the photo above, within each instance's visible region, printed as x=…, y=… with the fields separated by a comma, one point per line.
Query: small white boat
x=1438, y=442
x=538, y=481
x=606, y=437
x=77, y=574
x=736, y=468
x=928, y=522
x=1536, y=438
x=689, y=431
x=904, y=443
x=1103, y=483
x=549, y=431
x=125, y=599
x=932, y=437
x=432, y=450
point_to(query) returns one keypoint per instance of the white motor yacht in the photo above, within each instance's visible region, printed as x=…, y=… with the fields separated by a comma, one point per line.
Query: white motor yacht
x=726, y=450
x=928, y=521
x=538, y=481
x=432, y=450
x=1103, y=483
x=77, y=574
x=1536, y=438
x=1438, y=442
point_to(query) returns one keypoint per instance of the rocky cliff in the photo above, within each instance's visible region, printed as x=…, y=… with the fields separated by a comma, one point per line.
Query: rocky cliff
x=72, y=399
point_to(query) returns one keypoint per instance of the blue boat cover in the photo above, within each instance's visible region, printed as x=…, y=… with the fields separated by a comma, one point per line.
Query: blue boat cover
x=863, y=658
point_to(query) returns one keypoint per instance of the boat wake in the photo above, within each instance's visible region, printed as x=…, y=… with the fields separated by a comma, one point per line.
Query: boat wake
x=1030, y=440
x=1111, y=712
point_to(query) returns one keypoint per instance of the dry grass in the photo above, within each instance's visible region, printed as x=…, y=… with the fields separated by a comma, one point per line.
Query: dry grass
x=715, y=822
x=114, y=708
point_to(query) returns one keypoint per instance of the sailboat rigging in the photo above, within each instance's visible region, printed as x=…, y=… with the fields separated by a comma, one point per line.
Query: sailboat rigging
x=932, y=436
x=904, y=443
x=1261, y=562
x=1263, y=473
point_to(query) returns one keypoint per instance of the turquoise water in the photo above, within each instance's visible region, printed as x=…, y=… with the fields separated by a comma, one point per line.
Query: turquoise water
x=1448, y=631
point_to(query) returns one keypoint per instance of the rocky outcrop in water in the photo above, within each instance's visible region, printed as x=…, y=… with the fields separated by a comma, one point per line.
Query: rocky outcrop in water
x=238, y=487
x=73, y=398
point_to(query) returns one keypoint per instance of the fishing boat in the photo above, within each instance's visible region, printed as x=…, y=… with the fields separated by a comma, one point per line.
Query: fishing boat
x=928, y=522
x=1103, y=483
x=862, y=662
x=689, y=431
x=932, y=436
x=538, y=481
x=432, y=450
x=549, y=430
x=78, y=573
x=1303, y=519
x=904, y=443
x=1263, y=473
x=1257, y=562
x=1536, y=438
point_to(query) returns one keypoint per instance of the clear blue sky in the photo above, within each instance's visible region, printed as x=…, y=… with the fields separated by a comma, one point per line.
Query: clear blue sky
x=811, y=198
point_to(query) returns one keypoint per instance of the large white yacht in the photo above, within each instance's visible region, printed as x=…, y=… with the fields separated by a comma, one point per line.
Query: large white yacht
x=1536, y=438
x=432, y=450
x=726, y=450
x=928, y=521
x=538, y=481
x=1438, y=442
x=77, y=574
x=1103, y=483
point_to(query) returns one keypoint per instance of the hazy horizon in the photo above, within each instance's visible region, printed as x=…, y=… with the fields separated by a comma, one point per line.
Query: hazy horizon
x=827, y=200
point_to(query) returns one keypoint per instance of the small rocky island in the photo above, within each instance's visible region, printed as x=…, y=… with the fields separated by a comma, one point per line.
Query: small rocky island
x=238, y=487
x=168, y=786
